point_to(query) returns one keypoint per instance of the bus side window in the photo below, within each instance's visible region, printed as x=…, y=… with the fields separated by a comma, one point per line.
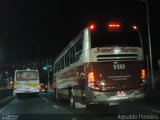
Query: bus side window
x=72, y=54
x=78, y=49
x=62, y=62
x=67, y=62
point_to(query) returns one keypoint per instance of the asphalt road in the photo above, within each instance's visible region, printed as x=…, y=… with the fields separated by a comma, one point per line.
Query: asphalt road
x=46, y=107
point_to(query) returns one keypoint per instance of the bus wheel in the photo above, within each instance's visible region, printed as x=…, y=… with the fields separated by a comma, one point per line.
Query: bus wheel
x=55, y=93
x=19, y=96
x=72, y=100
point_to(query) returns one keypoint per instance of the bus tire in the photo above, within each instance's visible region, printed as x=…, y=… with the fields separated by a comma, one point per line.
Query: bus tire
x=56, y=95
x=55, y=92
x=72, y=100
x=19, y=96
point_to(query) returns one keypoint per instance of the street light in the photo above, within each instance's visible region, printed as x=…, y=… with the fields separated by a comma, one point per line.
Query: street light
x=139, y=33
x=141, y=42
x=149, y=40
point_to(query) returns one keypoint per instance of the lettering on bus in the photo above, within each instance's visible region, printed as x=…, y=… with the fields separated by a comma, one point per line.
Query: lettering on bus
x=120, y=77
x=119, y=66
x=110, y=50
x=123, y=49
x=104, y=50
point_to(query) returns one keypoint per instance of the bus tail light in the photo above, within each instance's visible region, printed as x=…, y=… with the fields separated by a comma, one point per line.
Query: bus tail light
x=92, y=81
x=143, y=75
x=113, y=27
x=91, y=78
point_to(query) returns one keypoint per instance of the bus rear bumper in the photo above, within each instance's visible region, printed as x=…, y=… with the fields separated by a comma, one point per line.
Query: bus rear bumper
x=116, y=96
x=19, y=92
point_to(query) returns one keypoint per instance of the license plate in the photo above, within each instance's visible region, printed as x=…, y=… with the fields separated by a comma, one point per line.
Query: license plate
x=121, y=94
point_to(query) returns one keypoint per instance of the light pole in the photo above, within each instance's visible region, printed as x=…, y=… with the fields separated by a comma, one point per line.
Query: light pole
x=139, y=34
x=48, y=74
x=149, y=40
x=150, y=47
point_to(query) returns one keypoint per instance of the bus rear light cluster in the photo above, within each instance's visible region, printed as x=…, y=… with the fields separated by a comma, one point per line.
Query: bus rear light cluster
x=114, y=25
x=92, y=81
x=91, y=78
x=143, y=75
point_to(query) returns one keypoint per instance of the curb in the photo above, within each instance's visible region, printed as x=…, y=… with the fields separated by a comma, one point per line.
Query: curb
x=5, y=100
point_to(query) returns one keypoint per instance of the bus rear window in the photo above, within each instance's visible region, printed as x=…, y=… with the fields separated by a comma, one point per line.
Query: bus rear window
x=120, y=37
x=27, y=75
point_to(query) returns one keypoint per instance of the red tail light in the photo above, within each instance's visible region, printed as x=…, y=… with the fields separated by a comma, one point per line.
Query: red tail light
x=114, y=25
x=92, y=81
x=143, y=74
x=92, y=27
x=91, y=78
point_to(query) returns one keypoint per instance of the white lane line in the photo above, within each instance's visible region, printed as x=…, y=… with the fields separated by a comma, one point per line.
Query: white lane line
x=74, y=119
x=45, y=99
x=55, y=106
x=156, y=111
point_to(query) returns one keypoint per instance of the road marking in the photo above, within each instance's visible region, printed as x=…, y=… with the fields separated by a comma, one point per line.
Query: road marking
x=156, y=111
x=45, y=99
x=55, y=106
x=74, y=119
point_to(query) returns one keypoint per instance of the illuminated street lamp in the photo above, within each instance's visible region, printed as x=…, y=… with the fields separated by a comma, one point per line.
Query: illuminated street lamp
x=139, y=33
x=141, y=42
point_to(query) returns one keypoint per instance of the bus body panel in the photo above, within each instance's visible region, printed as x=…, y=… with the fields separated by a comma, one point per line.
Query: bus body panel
x=117, y=72
x=27, y=83
x=123, y=87
x=117, y=76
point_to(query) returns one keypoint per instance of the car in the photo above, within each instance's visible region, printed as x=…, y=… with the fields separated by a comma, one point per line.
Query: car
x=43, y=88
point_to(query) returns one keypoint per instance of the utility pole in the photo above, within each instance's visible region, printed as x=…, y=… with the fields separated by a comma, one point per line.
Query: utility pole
x=48, y=74
x=150, y=47
x=149, y=42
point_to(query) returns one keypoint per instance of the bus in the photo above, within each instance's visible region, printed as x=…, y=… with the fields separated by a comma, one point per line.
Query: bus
x=103, y=64
x=26, y=82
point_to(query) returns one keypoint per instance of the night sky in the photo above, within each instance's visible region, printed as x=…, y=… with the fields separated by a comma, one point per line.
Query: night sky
x=37, y=29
